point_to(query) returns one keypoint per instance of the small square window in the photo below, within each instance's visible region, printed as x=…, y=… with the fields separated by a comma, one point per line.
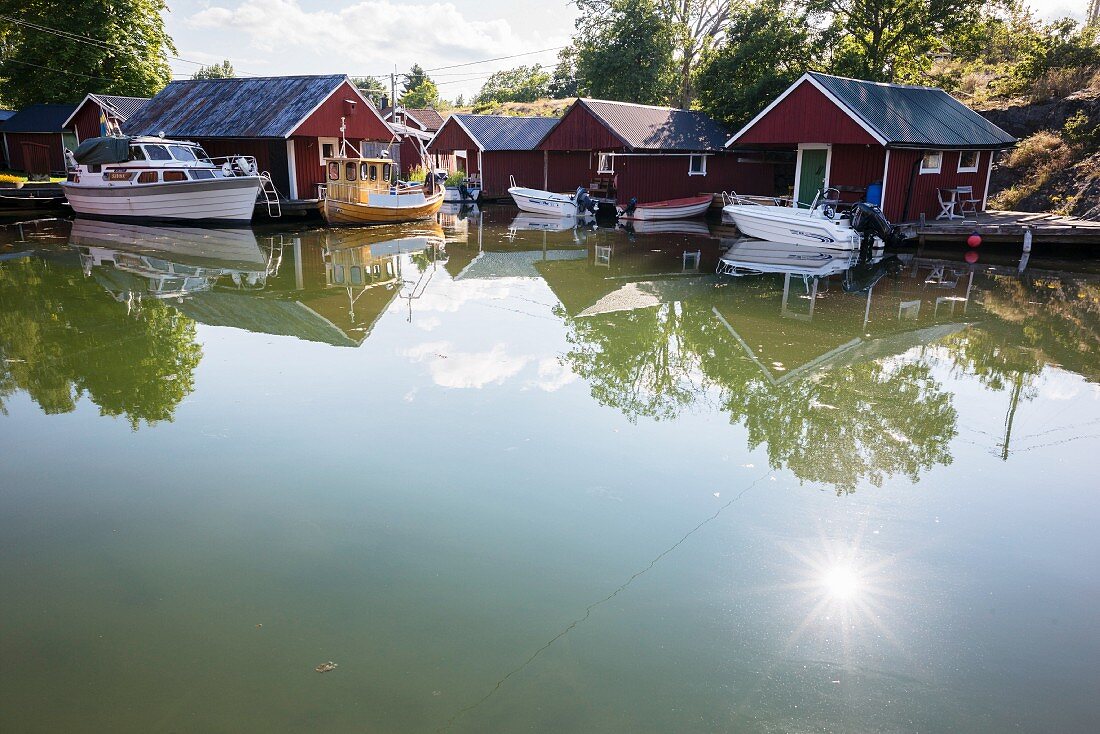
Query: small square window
x=697, y=165
x=968, y=161
x=607, y=163
x=327, y=148
x=932, y=161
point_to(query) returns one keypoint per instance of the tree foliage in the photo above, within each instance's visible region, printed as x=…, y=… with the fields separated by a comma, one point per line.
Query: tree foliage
x=624, y=51
x=521, y=84
x=224, y=70
x=769, y=46
x=105, y=46
x=418, y=90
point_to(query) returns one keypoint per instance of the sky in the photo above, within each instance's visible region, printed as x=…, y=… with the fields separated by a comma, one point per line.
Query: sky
x=372, y=37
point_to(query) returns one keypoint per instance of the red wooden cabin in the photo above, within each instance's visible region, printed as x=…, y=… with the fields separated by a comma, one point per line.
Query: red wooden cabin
x=851, y=134
x=495, y=148
x=35, y=139
x=102, y=114
x=288, y=123
x=622, y=151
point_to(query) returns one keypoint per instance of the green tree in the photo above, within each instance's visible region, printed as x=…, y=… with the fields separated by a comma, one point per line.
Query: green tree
x=224, y=70
x=626, y=53
x=768, y=46
x=521, y=84
x=563, y=83
x=372, y=87
x=106, y=46
x=891, y=40
x=418, y=90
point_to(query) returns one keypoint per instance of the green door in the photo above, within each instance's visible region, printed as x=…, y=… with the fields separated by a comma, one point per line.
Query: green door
x=812, y=178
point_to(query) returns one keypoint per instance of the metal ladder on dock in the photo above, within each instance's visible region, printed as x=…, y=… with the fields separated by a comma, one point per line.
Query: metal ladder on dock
x=270, y=196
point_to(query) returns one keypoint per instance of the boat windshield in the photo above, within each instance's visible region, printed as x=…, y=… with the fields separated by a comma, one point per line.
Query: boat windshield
x=157, y=153
x=183, y=153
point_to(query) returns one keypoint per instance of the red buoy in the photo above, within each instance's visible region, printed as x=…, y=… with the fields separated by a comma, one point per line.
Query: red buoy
x=971, y=257
x=974, y=240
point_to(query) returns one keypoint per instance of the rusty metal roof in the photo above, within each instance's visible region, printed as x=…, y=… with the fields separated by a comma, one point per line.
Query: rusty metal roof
x=907, y=115
x=250, y=107
x=645, y=127
x=39, y=118
x=499, y=132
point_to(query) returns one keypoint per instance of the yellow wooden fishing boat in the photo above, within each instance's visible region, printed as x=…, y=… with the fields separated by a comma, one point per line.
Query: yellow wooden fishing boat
x=363, y=191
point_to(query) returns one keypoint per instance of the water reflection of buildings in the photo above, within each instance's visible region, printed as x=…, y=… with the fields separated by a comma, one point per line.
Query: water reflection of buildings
x=328, y=286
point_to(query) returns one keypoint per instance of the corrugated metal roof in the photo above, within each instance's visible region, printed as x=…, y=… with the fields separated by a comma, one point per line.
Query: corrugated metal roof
x=39, y=118
x=5, y=114
x=251, y=107
x=645, y=127
x=917, y=116
x=124, y=107
x=497, y=132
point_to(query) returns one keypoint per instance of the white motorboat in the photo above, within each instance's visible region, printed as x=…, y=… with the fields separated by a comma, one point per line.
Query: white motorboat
x=693, y=206
x=821, y=225
x=156, y=179
x=747, y=256
x=538, y=201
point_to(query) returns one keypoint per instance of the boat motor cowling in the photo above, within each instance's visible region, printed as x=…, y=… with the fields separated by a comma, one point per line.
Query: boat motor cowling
x=870, y=222
x=584, y=202
x=631, y=206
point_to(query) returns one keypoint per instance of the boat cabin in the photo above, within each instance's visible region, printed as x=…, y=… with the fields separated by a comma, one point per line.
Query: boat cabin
x=354, y=179
x=151, y=160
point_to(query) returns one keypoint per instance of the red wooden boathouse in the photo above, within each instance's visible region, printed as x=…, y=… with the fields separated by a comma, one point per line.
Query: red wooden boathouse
x=623, y=151
x=288, y=123
x=102, y=114
x=35, y=138
x=495, y=148
x=851, y=134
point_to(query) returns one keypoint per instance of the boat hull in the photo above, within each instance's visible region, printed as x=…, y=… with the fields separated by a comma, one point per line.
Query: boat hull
x=228, y=200
x=756, y=256
x=786, y=227
x=674, y=209
x=344, y=212
x=543, y=202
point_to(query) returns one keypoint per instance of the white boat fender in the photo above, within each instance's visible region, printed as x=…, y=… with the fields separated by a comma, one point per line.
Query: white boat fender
x=246, y=167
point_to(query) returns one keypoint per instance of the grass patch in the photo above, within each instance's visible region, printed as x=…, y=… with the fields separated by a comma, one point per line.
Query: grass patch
x=1035, y=161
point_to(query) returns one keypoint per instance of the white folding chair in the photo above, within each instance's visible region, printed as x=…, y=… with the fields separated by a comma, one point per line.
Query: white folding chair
x=947, y=205
x=967, y=203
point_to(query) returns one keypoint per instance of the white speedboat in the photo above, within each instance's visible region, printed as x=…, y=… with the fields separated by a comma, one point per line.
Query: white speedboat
x=752, y=257
x=693, y=206
x=156, y=179
x=821, y=225
x=538, y=201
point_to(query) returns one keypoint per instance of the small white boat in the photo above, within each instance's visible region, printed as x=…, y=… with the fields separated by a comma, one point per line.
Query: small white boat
x=469, y=190
x=538, y=201
x=156, y=179
x=821, y=225
x=752, y=257
x=546, y=223
x=693, y=206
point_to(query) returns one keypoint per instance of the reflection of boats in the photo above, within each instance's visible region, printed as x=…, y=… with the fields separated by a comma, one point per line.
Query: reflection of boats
x=545, y=223
x=359, y=192
x=169, y=262
x=821, y=225
x=751, y=256
x=671, y=209
x=458, y=209
x=159, y=179
x=547, y=202
x=667, y=226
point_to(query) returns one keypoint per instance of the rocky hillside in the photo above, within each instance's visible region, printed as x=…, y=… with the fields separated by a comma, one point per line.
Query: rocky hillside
x=1056, y=166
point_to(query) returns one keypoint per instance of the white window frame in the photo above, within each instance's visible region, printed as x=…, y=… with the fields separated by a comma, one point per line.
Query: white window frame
x=977, y=161
x=610, y=158
x=939, y=162
x=321, y=142
x=703, y=169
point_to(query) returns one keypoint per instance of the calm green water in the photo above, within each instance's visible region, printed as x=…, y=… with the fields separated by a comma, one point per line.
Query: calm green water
x=554, y=481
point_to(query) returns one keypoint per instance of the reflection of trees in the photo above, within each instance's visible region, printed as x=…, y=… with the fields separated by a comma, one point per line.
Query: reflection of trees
x=865, y=421
x=635, y=360
x=62, y=337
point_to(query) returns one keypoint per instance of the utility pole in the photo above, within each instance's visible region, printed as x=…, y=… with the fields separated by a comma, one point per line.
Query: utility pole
x=393, y=93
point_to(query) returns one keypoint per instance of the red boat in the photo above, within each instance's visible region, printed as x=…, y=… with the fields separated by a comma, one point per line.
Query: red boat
x=693, y=206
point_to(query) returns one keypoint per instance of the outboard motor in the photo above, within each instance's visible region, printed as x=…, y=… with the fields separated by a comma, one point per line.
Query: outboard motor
x=865, y=274
x=631, y=206
x=463, y=192
x=584, y=202
x=870, y=222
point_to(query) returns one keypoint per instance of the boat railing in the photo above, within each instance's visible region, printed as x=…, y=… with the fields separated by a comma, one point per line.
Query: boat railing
x=732, y=198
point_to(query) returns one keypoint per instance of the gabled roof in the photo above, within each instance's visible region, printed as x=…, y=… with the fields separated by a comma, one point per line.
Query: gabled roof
x=250, y=107
x=122, y=108
x=5, y=114
x=39, y=118
x=498, y=132
x=427, y=118
x=646, y=127
x=902, y=115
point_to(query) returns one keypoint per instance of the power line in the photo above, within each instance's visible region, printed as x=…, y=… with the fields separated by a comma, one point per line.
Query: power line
x=498, y=58
x=59, y=71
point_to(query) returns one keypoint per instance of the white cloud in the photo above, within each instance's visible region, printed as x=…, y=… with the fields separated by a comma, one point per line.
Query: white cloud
x=553, y=375
x=467, y=369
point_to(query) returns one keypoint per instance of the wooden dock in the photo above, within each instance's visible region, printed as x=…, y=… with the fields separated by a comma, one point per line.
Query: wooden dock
x=1006, y=226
